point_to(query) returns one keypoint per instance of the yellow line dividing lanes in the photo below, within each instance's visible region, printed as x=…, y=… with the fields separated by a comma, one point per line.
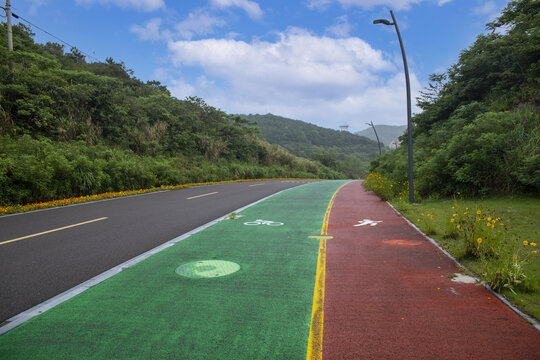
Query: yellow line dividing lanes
x=50, y=231
x=198, y=196
x=315, y=341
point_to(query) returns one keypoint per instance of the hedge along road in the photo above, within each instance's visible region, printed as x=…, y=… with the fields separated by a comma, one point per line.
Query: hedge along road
x=107, y=233
x=241, y=289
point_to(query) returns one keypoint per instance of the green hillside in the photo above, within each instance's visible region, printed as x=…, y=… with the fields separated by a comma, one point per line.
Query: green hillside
x=71, y=128
x=479, y=131
x=340, y=150
x=386, y=133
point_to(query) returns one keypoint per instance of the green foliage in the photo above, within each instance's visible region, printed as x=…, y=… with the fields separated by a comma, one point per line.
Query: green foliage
x=71, y=128
x=479, y=131
x=339, y=150
x=42, y=170
x=384, y=187
x=482, y=241
x=386, y=133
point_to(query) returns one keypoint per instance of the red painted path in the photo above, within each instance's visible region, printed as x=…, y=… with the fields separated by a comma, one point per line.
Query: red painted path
x=387, y=294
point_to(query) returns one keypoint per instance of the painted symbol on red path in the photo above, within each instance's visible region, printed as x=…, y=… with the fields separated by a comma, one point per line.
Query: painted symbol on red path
x=368, y=222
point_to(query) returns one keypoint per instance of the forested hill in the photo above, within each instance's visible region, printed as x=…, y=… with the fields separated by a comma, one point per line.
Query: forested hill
x=69, y=127
x=479, y=131
x=386, y=133
x=338, y=149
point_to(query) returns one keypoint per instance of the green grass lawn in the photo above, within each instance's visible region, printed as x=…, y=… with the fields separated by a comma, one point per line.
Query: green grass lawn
x=520, y=216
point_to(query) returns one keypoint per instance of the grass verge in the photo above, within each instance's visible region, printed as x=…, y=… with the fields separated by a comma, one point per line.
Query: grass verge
x=501, y=250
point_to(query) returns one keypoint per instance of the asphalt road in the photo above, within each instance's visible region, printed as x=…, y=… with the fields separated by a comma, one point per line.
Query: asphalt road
x=107, y=233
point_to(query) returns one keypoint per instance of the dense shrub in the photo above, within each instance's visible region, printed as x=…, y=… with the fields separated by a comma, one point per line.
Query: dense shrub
x=33, y=170
x=479, y=129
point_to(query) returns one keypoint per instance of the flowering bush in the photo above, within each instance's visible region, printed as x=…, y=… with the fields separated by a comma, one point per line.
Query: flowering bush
x=384, y=187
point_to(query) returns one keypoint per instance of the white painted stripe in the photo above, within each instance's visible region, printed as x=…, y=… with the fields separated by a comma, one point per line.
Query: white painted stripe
x=58, y=299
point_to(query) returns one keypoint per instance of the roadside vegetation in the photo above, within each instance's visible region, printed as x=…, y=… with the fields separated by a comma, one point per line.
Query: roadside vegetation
x=70, y=128
x=479, y=129
x=496, y=238
x=477, y=158
x=341, y=151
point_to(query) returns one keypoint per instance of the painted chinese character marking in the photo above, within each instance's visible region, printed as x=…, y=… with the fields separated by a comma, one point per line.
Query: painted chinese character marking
x=368, y=222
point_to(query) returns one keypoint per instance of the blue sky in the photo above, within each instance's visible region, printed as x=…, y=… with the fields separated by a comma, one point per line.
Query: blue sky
x=321, y=61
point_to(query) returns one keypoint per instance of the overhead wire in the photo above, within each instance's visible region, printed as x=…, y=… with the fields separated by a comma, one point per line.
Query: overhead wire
x=48, y=33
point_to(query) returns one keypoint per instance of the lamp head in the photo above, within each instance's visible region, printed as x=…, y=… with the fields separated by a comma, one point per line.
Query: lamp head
x=382, y=21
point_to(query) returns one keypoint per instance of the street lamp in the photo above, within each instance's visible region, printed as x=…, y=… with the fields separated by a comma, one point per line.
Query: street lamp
x=407, y=82
x=378, y=142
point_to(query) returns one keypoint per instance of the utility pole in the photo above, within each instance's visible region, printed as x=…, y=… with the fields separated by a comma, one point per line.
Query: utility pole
x=9, y=34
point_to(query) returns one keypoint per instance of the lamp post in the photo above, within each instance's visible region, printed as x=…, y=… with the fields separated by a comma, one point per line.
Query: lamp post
x=407, y=82
x=378, y=142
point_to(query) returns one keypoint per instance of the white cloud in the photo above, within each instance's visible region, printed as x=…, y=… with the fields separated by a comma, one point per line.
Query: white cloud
x=320, y=79
x=342, y=28
x=486, y=8
x=180, y=88
x=198, y=22
x=250, y=7
x=151, y=31
x=143, y=5
x=368, y=4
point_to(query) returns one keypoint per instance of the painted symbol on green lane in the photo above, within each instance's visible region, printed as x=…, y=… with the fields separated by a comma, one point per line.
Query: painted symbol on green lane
x=263, y=222
x=207, y=269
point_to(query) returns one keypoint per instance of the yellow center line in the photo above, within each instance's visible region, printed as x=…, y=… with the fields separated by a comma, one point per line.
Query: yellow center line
x=315, y=341
x=198, y=196
x=50, y=231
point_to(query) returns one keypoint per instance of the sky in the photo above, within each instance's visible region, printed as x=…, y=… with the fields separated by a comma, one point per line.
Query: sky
x=320, y=61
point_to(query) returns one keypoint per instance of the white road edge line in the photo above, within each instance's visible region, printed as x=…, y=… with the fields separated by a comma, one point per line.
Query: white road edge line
x=21, y=318
x=526, y=317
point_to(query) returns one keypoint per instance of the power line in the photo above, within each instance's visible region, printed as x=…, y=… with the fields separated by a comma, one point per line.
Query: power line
x=48, y=33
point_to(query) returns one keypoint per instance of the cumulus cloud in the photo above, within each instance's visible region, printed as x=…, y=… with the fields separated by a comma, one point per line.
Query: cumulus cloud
x=341, y=29
x=198, y=22
x=250, y=7
x=300, y=75
x=142, y=5
x=367, y=4
x=150, y=31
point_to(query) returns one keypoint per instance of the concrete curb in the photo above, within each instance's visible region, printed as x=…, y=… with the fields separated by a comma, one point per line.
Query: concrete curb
x=528, y=318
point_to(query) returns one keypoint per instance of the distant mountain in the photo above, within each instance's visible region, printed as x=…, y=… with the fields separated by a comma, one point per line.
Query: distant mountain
x=341, y=150
x=386, y=133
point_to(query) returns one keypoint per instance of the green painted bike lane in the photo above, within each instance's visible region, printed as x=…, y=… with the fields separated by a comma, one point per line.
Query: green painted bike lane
x=176, y=304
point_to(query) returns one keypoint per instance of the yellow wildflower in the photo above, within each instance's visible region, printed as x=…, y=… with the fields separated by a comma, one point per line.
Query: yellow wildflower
x=525, y=242
x=452, y=220
x=479, y=240
x=533, y=244
x=478, y=211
